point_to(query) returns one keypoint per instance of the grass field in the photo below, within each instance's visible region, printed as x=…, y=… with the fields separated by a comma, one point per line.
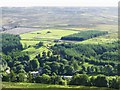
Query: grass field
x=47, y=34
x=101, y=39
x=32, y=38
x=35, y=86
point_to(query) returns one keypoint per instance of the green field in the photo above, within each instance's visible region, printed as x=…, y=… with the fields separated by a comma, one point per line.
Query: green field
x=33, y=51
x=35, y=86
x=47, y=36
x=32, y=38
x=101, y=39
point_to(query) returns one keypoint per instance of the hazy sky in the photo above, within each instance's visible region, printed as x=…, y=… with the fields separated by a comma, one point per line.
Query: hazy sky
x=22, y=3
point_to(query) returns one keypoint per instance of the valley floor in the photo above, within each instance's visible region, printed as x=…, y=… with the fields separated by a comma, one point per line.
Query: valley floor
x=36, y=86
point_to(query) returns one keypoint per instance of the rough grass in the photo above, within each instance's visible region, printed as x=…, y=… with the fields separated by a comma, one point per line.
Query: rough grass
x=109, y=28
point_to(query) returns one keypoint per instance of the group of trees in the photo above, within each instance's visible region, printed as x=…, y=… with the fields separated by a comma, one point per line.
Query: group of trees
x=98, y=55
x=10, y=42
x=50, y=62
x=77, y=79
x=99, y=81
x=83, y=35
x=67, y=59
x=16, y=61
x=61, y=60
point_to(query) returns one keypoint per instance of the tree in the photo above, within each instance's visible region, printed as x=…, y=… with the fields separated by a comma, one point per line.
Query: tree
x=39, y=44
x=12, y=76
x=58, y=57
x=45, y=79
x=80, y=79
x=22, y=77
x=6, y=77
x=30, y=77
x=69, y=70
x=101, y=81
x=44, y=54
x=38, y=79
x=49, y=53
x=34, y=64
x=92, y=81
x=55, y=67
x=19, y=67
x=10, y=42
x=48, y=31
x=115, y=83
x=118, y=69
x=61, y=69
x=56, y=80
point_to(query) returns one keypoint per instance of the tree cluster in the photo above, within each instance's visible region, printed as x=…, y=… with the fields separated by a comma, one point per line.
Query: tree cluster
x=84, y=35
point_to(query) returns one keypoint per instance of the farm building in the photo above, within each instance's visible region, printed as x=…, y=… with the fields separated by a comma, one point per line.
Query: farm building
x=57, y=40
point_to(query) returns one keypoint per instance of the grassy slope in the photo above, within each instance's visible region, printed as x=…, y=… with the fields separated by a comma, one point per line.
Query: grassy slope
x=111, y=37
x=35, y=86
x=32, y=38
x=101, y=39
x=33, y=51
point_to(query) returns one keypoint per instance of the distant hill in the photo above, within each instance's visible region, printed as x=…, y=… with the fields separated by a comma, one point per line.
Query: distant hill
x=62, y=17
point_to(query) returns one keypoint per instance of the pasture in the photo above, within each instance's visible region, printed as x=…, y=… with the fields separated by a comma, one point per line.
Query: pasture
x=37, y=86
x=47, y=36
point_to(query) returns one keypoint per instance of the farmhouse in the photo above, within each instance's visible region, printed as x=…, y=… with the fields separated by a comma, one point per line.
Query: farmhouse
x=57, y=40
x=36, y=73
x=67, y=77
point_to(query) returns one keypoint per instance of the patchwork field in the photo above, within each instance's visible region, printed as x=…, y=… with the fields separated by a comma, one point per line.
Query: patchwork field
x=30, y=39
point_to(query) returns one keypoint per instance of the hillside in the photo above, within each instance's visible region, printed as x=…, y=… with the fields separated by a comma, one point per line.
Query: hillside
x=60, y=47
x=58, y=17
